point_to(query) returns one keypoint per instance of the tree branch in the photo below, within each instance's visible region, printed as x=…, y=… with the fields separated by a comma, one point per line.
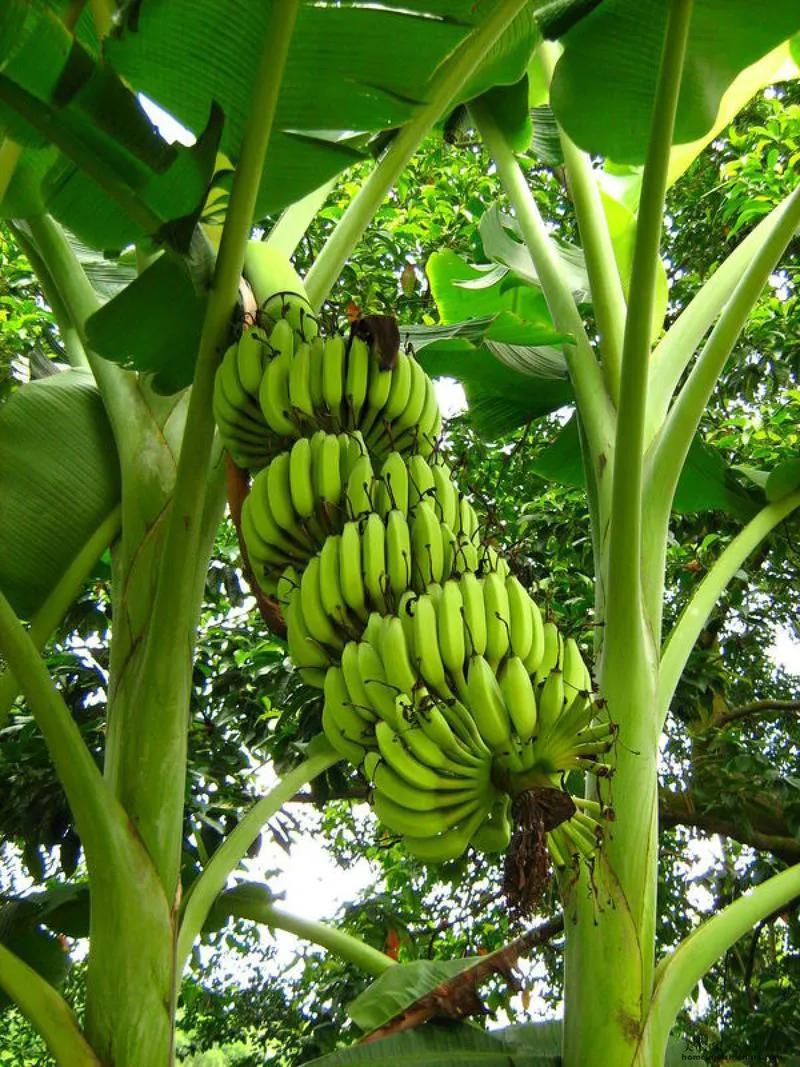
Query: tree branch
x=444, y=86
x=47, y=1011
x=679, y=809
x=764, y=709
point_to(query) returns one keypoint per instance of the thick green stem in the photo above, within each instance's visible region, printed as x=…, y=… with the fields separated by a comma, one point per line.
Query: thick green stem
x=608, y=298
x=625, y=553
x=674, y=351
x=49, y=1013
x=130, y=921
x=593, y=401
x=611, y=945
x=150, y=777
x=444, y=86
x=672, y=445
x=229, y=854
x=689, y=626
x=680, y=972
x=339, y=942
x=61, y=597
x=288, y=231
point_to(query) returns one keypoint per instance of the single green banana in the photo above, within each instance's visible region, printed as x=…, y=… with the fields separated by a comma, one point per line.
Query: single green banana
x=300, y=481
x=333, y=375
x=394, y=654
x=273, y=396
x=551, y=700
x=450, y=630
x=518, y=697
x=426, y=646
x=351, y=574
x=451, y=844
x=351, y=670
x=380, y=382
x=421, y=482
x=520, y=619
x=359, y=488
x=330, y=586
x=426, y=546
x=328, y=477
x=317, y=620
x=251, y=359
x=486, y=705
x=373, y=561
x=356, y=379
x=494, y=833
x=341, y=711
x=398, y=554
x=300, y=382
x=380, y=692
x=498, y=624
x=315, y=358
x=536, y=654
x=393, y=486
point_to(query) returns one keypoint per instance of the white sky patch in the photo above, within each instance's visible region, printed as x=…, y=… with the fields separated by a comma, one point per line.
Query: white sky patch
x=169, y=128
x=450, y=395
x=786, y=652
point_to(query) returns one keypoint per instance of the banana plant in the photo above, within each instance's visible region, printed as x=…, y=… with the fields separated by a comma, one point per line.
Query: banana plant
x=121, y=450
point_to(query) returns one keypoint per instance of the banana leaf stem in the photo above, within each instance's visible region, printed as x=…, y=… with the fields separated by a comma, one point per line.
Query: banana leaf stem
x=593, y=401
x=155, y=800
x=339, y=942
x=211, y=882
x=679, y=973
x=608, y=298
x=687, y=629
x=625, y=540
x=47, y=1010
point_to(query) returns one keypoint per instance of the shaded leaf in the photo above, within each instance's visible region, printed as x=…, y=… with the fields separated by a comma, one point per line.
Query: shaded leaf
x=705, y=484
x=59, y=480
x=370, y=67
x=503, y=243
x=153, y=325
x=398, y=988
x=784, y=479
x=604, y=84
x=430, y=1045
x=94, y=159
x=508, y=105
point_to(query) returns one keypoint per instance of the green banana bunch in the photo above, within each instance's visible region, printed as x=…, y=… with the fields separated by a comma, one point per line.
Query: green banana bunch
x=286, y=382
x=441, y=681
